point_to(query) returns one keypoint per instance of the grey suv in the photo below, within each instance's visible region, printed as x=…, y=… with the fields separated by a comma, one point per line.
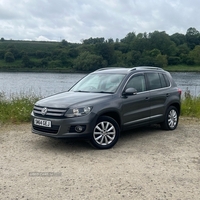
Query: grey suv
x=107, y=102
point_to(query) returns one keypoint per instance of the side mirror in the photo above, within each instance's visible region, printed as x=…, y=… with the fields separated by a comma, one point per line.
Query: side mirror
x=130, y=91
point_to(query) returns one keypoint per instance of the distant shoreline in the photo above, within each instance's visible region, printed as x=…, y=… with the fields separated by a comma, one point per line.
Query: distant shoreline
x=67, y=70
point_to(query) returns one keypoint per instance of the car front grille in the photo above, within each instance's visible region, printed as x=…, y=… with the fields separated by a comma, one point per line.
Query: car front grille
x=48, y=112
x=53, y=130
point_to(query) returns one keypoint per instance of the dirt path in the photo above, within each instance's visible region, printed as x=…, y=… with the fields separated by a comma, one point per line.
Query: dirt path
x=146, y=163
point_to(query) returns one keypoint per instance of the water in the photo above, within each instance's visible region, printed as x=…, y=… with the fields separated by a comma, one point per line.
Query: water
x=45, y=84
x=188, y=81
x=38, y=84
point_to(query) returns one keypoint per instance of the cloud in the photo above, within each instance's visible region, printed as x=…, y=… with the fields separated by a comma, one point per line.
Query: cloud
x=76, y=20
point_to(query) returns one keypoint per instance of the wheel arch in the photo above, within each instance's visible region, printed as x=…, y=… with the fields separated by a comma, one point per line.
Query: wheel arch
x=177, y=106
x=113, y=114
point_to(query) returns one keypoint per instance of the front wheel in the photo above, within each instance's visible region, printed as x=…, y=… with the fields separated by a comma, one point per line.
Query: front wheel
x=106, y=133
x=171, y=119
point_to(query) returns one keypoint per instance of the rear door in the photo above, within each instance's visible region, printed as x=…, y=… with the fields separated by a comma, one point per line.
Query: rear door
x=136, y=108
x=158, y=86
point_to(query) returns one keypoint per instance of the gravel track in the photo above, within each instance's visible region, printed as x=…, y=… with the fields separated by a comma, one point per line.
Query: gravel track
x=146, y=163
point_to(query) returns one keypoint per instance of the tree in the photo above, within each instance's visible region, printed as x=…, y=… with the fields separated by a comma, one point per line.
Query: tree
x=178, y=38
x=64, y=42
x=132, y=57
x=94, y=41
x=88, y=62
x=105, y=50
x=195, y=54
x=2, y=53
x=192, y=37
x=44, y=62
x=26, y=61
x=9, y=57
x=41, y=54
x=183, y=49
x=161, y=41
x=161, y=60
x=154, y=52
x=73, y=53
x=110, y=40
x=12, y=48
x=174, y=60
x=129, y=38
x=141, y=44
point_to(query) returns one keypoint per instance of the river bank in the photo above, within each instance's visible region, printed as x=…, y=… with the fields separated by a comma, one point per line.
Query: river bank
x=171, y=68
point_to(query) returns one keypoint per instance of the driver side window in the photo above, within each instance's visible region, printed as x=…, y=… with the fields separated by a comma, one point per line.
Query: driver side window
x=137, y=82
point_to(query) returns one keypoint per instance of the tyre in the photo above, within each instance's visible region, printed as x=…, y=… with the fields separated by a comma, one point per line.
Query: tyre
x=106, y=133
x=171, y=119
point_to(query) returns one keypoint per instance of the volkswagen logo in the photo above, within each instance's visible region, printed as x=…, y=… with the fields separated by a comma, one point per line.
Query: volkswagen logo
x=44, y=111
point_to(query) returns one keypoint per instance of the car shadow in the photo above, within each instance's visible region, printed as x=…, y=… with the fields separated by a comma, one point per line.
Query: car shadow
x=77, y=145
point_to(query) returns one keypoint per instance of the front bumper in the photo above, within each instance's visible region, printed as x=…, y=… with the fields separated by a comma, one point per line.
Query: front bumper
x=65, y=127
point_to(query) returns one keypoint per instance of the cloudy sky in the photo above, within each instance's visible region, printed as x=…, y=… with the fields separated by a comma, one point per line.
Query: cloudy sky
x=74, y=20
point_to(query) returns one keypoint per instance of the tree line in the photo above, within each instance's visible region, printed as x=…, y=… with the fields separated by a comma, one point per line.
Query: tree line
x=153, y=49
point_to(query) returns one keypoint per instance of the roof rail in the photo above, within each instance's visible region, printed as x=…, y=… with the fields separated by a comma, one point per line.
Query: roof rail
x=148, y=67
x=105, y=68
x=134, y=68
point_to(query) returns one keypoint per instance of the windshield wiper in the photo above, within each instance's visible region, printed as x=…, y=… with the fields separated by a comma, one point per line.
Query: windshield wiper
x=81, y=91
x=104, y=92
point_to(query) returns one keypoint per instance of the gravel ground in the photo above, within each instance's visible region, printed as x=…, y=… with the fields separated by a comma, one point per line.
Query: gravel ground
x=146, y=163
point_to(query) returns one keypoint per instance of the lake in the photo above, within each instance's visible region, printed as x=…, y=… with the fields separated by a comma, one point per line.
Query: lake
x=45, y=84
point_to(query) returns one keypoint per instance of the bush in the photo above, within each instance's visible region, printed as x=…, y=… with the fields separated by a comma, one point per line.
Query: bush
x=9, y=57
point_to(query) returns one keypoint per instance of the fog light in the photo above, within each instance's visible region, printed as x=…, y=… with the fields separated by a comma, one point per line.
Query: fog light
x=79, y=128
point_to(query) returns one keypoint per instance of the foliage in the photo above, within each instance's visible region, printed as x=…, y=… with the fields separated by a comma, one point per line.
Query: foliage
x=155, y=49
x=190, y=106
x=17, y=109
x=9, y=57
x=88, y=62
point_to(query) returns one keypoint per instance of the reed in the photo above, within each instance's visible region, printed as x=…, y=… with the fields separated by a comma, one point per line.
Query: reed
x=190, y=105
x=16, y=109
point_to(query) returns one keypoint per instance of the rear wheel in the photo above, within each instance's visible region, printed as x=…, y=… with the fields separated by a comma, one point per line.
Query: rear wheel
x=106, y=133
x=171, y=119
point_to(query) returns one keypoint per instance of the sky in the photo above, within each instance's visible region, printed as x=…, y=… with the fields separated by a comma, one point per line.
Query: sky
x=76, y=20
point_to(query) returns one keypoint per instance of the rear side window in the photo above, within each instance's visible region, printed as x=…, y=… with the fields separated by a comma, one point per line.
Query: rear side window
x=166, y=80
x=154, y=81
x=157, y=80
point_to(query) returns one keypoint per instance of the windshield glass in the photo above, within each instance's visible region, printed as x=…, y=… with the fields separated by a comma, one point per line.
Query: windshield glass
x=98, y=82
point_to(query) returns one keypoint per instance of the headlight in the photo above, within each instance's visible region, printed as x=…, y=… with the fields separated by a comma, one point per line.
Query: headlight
x=78, y=112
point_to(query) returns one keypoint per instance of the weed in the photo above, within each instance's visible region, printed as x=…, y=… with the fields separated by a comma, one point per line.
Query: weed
x=16, y=109
x=190, y=106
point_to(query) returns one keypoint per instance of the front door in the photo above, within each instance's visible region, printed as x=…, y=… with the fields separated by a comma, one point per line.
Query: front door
x=136, y=107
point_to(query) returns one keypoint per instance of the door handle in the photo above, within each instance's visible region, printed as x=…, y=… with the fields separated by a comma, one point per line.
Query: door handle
x=167, y=95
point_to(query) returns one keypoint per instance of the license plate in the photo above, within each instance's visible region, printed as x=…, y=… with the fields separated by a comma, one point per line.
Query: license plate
x=41, y=122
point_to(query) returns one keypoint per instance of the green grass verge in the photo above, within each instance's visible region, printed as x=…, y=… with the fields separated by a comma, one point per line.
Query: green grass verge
x=190, y=106
x=17, y=109
x=182, y=68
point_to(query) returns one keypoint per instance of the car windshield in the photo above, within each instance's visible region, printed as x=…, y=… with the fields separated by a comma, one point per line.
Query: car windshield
x=99, y=82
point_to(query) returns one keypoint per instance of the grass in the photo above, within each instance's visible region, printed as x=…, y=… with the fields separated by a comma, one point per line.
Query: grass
x=182, y=68
x=16, y=109
x=190, y=106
